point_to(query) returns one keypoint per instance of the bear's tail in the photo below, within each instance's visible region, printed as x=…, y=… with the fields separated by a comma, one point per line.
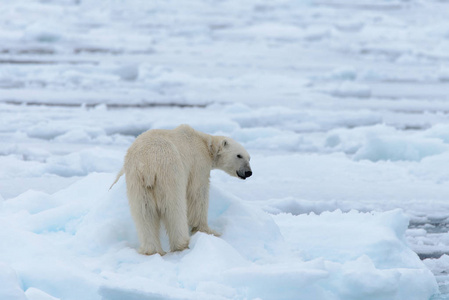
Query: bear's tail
x=122, y=171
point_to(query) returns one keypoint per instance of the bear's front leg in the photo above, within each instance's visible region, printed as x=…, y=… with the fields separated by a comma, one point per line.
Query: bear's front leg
x=198, y=205
x=207, y=230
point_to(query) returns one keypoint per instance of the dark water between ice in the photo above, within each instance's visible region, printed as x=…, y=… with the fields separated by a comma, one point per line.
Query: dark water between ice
x=435, y=230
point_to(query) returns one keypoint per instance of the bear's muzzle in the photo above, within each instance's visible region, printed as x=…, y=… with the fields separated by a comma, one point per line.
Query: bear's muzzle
x=243, y=174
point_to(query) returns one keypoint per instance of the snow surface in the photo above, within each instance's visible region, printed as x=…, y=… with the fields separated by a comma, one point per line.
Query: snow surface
x=342, y=104
x=79, y=243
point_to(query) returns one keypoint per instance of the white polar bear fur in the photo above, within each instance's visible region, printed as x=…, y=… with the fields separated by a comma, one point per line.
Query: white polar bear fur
x=167, y=179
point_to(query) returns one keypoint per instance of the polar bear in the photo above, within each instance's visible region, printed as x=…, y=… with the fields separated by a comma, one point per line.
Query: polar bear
x=167, y=179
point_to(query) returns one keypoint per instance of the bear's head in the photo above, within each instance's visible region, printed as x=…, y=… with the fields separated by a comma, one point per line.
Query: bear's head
x=231, y=157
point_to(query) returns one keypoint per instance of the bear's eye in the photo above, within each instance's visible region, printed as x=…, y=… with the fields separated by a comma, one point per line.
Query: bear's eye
x=239, y=156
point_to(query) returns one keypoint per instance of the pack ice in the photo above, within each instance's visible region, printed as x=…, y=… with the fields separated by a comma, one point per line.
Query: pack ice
x=80, y=243
x=343, y=105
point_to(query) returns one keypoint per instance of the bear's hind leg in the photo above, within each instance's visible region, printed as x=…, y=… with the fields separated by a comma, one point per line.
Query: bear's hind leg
x=174, y=216
x=146, y=218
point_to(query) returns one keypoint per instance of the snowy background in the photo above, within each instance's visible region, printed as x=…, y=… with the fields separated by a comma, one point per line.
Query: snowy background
x=343, y=106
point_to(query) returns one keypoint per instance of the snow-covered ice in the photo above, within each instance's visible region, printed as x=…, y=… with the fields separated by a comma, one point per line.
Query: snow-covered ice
x=79, y=243
x=343, y=106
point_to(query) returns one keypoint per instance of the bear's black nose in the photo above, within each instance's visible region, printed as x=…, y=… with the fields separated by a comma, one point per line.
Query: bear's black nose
x=248, y=173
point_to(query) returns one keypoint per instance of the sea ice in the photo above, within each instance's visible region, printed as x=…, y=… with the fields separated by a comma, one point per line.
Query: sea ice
x=81, y=242
x=342, y=105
